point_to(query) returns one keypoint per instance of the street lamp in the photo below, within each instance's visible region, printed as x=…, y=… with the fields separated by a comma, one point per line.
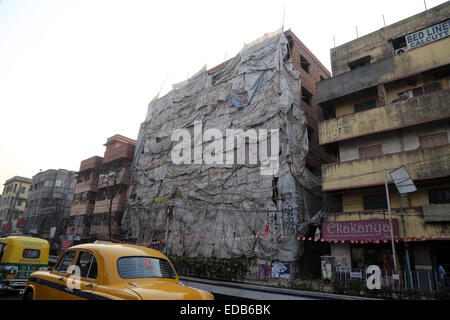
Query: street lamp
x=112, y=194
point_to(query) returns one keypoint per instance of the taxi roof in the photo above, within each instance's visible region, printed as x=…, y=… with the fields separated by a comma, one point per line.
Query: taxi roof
x=108, y=253
x=111, y=250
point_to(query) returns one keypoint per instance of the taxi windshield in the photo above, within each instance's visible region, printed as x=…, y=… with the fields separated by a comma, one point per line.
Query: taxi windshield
x=144, y=267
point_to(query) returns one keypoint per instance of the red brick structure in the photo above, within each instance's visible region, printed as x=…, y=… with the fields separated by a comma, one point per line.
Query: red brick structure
x=311, y=71
x=100, y=179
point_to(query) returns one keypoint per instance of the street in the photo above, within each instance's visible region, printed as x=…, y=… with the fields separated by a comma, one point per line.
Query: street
x=10, y=296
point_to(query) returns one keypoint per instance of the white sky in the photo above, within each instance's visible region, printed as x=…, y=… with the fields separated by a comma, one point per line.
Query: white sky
x=73, y=73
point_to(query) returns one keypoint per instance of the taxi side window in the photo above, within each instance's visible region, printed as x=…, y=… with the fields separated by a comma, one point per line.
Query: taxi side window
x=65, y=262
x=88, y=265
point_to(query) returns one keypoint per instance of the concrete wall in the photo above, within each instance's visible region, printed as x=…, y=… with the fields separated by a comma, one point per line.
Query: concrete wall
x=392, y=141
x=376, y=44
x=423, y=163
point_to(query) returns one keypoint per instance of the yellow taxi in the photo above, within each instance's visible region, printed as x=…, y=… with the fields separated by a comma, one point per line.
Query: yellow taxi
x=109, y=271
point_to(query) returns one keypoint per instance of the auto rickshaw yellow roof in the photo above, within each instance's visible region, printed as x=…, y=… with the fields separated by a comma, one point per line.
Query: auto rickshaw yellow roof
x=24, y=238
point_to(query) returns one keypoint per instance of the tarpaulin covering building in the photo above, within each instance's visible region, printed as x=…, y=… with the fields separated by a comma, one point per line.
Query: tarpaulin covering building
x=222, y=202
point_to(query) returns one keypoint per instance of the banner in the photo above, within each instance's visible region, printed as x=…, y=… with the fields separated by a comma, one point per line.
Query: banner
x=359, y=230
x=427, y=35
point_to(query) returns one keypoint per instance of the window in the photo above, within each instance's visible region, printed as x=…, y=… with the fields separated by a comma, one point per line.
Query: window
x=365, y=105
x=58, y=183
x=438, y=196
x=359, y=63
x=48, y=183
x=304, y=64
x=65, y=262
x=375, y=202
x=371, y=151
x=31, y=253
x=399, y=45
x=144, y=267
x=433, y=140
x=432, y=87
x=306, y=96
x=310, y=133
x=160, y=139
x=19, y=202
x=22, y=189
x=88, y=265
x=92, y=197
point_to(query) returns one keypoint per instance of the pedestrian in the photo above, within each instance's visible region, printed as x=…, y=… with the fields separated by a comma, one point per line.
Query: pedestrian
x=442, y=276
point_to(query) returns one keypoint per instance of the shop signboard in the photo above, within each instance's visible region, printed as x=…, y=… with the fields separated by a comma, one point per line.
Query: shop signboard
x=65, y=244
x=356, y=275
x=359, y=230
x=427, y=35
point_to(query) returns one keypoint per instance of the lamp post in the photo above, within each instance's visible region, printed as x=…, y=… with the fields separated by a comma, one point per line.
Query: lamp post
x=112, y=194
x=404, y=185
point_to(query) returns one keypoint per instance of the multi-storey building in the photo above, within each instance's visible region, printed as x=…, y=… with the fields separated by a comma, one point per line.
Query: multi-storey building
x=101, y=192
x=387, y=106
x=12, y=204
x=311, y=71
x=270, y=84
x=84, y=198
x=49, y=202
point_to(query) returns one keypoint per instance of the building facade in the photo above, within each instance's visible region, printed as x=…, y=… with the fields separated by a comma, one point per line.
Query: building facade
x=49, y=202
x=218, y=209
x=12, y=204
x=387, y=106
x=101, y=192
x=85, y=195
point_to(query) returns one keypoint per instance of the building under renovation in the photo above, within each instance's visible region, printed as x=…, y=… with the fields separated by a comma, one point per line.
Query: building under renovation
x=49, y=202
x=190, y=192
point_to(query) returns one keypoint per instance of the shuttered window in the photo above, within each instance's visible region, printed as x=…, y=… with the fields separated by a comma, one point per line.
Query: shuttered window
x=375, y=202
x=365, y=105
x=371, y=151
x=433, y=140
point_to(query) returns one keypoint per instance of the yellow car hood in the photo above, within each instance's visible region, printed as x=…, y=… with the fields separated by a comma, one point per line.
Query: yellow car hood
x=167, y=290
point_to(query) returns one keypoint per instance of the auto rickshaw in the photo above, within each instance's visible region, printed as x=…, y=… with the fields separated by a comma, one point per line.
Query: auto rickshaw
x=19, y=257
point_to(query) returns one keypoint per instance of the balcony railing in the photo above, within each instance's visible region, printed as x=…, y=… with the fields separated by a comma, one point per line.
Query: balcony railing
x=395, y=67
x=417, y=110
x=423, y=163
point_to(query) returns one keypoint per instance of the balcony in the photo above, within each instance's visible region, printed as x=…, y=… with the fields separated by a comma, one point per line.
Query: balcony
x=81, y=209
x=121, y=151
x=425, y=163
x=395, y=67
x=437, y=212
x=107, y=180
x=91, y=163
x=89, y=185
x=118, y=204
x=425, y=108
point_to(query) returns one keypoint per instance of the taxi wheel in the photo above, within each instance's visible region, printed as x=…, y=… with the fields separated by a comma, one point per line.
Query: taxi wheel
x=28, y=295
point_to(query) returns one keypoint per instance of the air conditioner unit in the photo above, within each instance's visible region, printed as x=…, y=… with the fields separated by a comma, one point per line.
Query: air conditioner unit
x=401, y=50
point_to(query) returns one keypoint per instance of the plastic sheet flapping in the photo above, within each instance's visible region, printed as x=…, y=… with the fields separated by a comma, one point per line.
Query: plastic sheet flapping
x=226, y=201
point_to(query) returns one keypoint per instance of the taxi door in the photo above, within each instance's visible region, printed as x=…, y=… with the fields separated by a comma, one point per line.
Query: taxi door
x=54, y=287
x=86, y=278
